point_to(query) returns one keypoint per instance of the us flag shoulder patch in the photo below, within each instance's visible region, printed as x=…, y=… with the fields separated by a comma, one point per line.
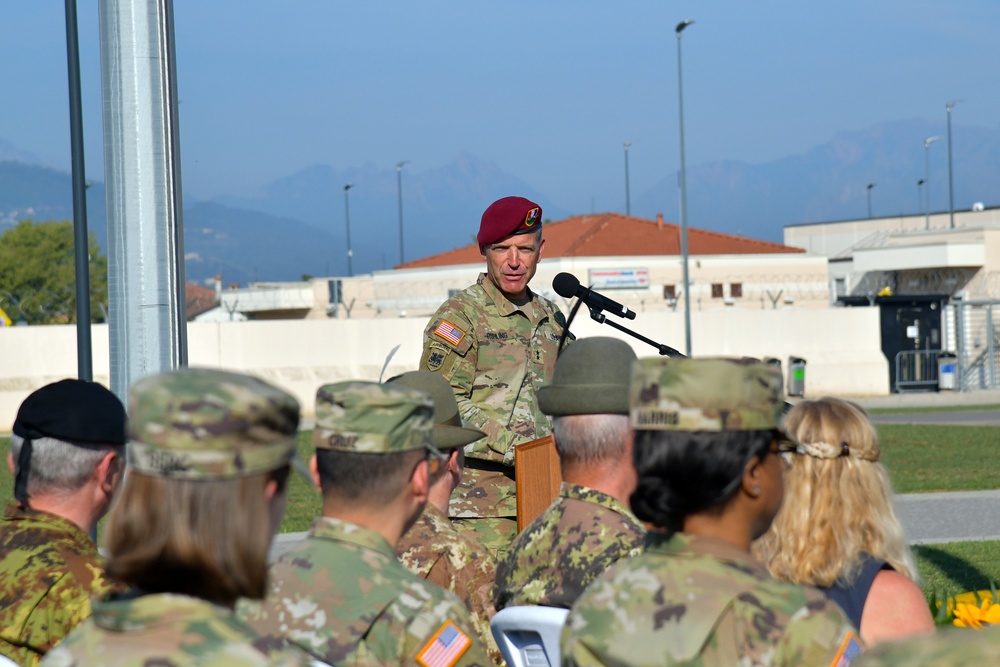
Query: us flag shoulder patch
x=445, y=647
x=449, y=332
x=850, y=649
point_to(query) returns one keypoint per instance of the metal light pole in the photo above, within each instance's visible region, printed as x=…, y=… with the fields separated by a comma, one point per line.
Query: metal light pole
x=347, y=219
x=84, y=354
x=399, y=192
x=628, y=205
x=927, y=180
x=870, y=186
x=684, y=229
x=951, y=188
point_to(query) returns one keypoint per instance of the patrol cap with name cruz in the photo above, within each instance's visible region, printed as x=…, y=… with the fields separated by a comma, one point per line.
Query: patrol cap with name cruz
x=372, y=418
x=203, y=424
x=705, y=395
x=507, y=216
x=448, y=431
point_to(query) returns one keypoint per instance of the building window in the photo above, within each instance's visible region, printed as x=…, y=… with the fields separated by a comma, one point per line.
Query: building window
x=840, y=286
x=670, y=291
x=716, y=290
x=736, y=290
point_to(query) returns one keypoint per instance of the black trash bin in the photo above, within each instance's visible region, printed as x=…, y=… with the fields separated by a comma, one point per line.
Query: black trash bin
x=947, y=371
x=796, y=376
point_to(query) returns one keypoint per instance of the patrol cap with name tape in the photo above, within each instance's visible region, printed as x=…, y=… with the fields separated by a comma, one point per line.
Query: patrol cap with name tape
x=591, y=376
x=448, y=431
x=507, y=216
x=205, y=424
x=711, y=394
x=372, y=418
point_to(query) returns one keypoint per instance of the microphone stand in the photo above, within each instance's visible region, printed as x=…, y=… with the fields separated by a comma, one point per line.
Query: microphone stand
x=598, y=315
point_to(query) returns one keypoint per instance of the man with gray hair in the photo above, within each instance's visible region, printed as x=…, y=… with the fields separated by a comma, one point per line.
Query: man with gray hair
x=589, y=526
x=67, y=456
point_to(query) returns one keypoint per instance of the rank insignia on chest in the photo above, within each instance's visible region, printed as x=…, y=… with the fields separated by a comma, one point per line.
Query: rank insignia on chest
x=449, y=332
x=435, y=360
x=445, y=647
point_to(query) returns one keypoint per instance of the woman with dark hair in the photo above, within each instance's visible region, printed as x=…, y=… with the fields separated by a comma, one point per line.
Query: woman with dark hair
x=209, y=456
x=707, y=445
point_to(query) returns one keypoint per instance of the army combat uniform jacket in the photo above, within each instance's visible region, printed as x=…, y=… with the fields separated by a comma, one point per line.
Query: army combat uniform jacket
x=569, y=545
x=701, y=601
x=49, y=571
x=496, y=356
x=433, y=549
x=344, y=597
x=165, y=629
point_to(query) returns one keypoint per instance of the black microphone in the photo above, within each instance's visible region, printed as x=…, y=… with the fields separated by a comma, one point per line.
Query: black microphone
x=566, y=285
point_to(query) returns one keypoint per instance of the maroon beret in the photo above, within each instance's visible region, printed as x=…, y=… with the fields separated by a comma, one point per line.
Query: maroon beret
x=510, y=215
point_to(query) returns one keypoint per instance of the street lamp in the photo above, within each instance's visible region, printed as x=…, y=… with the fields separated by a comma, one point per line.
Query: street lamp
x=684, y=229
x=920, y=187
x=951, y=189
x=399, y=191
x=927, y=180
x=347, y=219
x=870, y=186
x=628, y=207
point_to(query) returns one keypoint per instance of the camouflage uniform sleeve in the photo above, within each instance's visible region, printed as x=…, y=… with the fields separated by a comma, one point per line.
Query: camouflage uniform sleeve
x=441, y=619
x=818, y=634
x=458, y=363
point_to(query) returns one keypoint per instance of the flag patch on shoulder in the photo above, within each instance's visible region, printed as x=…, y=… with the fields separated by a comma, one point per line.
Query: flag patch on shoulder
x=449, y=332
x=445, y=647
x=850, y=650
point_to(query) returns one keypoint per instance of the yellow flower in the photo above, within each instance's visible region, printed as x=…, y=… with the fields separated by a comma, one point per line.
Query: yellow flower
x=968, y=615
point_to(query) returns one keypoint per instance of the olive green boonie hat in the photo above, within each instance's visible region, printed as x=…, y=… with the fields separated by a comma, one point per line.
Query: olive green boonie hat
x=705, y=395
x=205, y=424
x=448, y=431
x=372, y=418
x=591, y=377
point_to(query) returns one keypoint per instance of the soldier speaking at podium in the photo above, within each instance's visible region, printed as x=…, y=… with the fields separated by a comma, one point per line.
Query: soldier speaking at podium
x=496, y=343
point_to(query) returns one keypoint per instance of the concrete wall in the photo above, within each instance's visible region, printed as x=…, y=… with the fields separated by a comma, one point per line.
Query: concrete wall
x=841, y=347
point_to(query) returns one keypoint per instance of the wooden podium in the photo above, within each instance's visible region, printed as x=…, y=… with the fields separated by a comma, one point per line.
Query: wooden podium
x=538, y=476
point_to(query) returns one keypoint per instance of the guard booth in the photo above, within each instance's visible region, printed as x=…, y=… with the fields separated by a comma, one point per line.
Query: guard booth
x=911, y=328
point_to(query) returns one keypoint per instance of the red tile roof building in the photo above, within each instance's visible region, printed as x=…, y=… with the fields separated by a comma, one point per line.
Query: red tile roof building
x=616, y=235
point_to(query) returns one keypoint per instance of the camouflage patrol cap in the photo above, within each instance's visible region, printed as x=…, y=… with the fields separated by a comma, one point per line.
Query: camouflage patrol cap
x=448, y=431
x=372, y=418
x=200, y=423
x=705, y=395
x=591, y=377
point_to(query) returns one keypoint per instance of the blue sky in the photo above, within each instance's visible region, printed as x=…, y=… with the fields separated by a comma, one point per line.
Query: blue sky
x=547, y=89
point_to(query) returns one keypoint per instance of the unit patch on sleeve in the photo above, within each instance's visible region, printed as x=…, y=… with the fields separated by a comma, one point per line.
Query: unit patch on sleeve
x=445, y=647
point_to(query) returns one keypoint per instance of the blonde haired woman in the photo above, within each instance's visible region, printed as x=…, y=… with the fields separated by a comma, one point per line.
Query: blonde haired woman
x=837, y=529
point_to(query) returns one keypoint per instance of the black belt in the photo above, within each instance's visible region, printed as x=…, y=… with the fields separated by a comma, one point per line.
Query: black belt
x=491, y=466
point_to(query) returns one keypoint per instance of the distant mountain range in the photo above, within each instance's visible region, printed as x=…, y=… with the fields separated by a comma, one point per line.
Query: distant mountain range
x=297, y=225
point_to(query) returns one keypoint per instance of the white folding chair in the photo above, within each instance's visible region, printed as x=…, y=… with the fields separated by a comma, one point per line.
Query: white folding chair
x=529, y=636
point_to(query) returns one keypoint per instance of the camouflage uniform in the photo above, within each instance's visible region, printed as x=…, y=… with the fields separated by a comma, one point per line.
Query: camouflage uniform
x=495, y=355
x=435, y=550
x=702, y=601
x=951, y=647
x=581, y=533
x=344, y=596
x=199, y=425
x=49, y=571
x=155, y=627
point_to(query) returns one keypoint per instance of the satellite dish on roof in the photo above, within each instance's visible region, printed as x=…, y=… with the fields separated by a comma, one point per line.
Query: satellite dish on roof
x=978, y=206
